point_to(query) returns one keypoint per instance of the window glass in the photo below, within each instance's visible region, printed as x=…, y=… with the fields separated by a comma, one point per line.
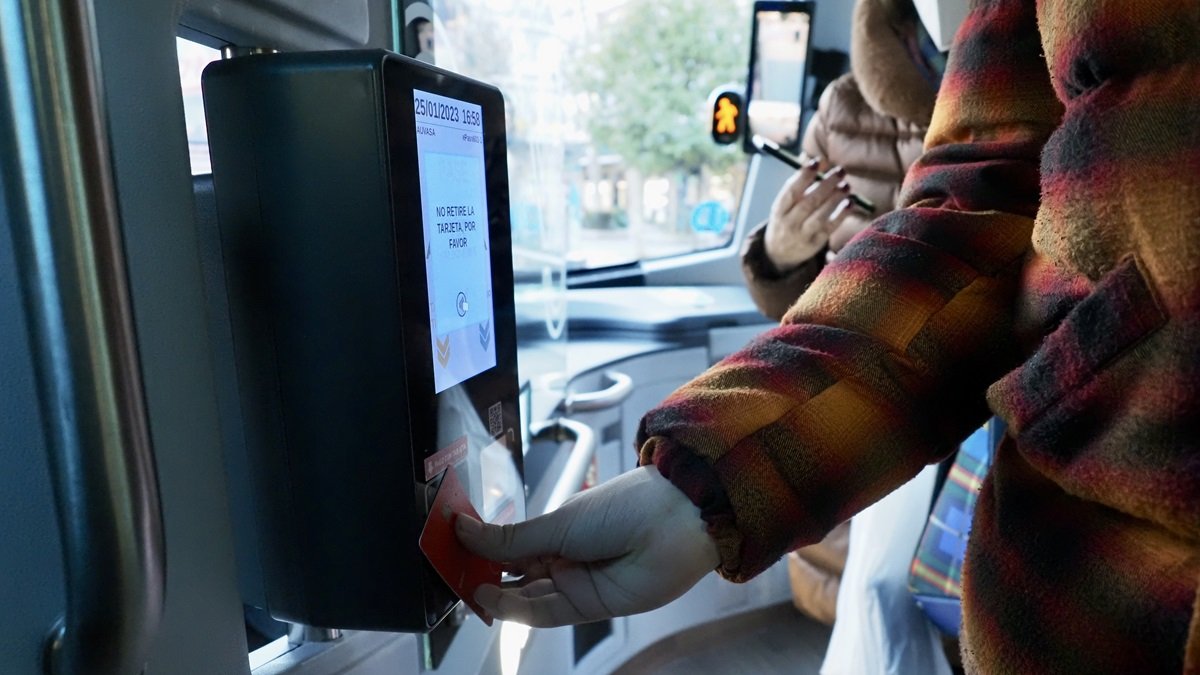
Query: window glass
x=192, y=59
x=611, y=160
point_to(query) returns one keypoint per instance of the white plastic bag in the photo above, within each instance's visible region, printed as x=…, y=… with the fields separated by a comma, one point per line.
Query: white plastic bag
x=879, y=629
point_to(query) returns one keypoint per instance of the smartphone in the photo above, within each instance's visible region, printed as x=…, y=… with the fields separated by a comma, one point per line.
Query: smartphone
x=769, y=147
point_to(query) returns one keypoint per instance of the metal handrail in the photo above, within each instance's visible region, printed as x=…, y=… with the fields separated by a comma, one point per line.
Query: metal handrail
x=618, y=391
x=578, y=462
x=60, y=195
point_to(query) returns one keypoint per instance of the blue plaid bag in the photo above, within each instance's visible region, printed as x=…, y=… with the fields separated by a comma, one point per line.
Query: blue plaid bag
x=935, y=578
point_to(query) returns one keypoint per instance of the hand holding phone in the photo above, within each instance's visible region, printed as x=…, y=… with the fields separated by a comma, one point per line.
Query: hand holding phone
x=769, y=147
x=808, y=209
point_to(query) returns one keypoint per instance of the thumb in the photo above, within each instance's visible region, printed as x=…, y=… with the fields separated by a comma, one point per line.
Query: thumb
x=508, y=543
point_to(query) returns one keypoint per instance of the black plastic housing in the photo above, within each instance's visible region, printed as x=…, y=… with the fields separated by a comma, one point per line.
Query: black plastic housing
x=318, y=202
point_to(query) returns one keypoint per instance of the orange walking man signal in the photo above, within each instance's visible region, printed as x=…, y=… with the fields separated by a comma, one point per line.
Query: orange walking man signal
x=726, y=117
x=726, y=114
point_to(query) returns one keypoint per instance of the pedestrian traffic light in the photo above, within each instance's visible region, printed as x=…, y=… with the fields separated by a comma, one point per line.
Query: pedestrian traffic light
x=727, y=116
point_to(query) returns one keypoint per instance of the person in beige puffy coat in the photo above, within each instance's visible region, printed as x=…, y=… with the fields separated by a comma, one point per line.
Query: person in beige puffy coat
x=869, y=127
x=871, y=124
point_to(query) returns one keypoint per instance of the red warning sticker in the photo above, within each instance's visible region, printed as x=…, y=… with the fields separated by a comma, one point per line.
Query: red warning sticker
x=445, y=458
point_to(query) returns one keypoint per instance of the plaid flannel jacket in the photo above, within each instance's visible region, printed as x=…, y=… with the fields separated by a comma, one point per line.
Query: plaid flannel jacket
x=1046, y=264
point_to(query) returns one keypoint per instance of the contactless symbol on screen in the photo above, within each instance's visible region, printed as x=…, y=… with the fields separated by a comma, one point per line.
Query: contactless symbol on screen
x=461, y=305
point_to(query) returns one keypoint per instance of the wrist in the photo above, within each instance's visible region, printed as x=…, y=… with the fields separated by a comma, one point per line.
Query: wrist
x=789, y=261
x=687, y=520
x=784, y=253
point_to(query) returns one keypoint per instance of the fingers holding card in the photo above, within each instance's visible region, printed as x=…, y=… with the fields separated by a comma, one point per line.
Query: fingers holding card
x=463, y=571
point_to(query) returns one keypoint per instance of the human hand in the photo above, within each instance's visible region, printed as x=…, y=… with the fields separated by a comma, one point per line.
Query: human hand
x=629, y=545
x=850, y=222
x=803, y=215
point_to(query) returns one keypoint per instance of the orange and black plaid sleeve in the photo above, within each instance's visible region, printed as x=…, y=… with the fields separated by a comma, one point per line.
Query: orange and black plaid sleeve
x=881, y=366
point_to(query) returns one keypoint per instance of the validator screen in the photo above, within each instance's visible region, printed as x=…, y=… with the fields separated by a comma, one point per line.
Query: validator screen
x=457, y=260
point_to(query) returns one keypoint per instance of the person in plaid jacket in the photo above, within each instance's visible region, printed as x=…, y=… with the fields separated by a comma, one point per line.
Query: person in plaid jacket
x=1046, y=265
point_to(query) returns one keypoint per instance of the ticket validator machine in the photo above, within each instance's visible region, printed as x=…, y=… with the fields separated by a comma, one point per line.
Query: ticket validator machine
x=362, y=200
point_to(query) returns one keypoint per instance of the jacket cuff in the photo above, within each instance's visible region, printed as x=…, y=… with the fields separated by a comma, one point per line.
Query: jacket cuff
x=697, y=480
x=755, y=258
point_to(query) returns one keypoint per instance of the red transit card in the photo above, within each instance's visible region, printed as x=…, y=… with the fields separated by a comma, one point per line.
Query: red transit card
x=462, y=570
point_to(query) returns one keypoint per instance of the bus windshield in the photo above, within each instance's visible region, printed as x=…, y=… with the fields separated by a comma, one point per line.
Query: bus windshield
x=610, y=156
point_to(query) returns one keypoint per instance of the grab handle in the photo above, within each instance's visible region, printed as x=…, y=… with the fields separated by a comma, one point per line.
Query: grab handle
x=618, y=391
x=66, y=233
x=574, y=472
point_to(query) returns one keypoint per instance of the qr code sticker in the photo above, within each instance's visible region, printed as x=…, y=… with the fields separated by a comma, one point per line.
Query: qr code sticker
x=495, y=419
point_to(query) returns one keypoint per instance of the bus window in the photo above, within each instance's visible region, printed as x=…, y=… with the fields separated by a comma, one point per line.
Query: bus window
x=609, y=148
x=610, y=155
x=193, y=56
